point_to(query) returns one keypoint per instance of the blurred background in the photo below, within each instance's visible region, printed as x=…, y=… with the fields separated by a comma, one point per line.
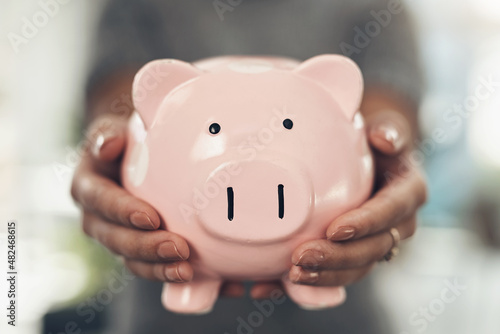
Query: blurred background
x=458, y=243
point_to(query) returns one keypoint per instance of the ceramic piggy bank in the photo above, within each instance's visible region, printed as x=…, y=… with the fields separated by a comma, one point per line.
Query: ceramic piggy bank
x=246, y=158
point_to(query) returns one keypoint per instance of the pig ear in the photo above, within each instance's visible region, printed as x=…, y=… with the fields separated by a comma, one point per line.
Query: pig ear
x=154, y=81
x=340, y=76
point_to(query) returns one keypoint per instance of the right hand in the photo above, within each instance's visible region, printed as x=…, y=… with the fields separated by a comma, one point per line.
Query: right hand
x=124, y=224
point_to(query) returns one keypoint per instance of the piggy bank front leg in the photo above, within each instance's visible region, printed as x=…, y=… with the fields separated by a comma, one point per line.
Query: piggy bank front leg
x=195, y=297
x=314, y=297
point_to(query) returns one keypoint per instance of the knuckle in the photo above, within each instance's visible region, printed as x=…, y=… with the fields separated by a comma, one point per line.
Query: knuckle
x=112, y=204
x=396, y=206
x=121, y=207
x=373, y=218
x=78, y=185
x=96, y=197
x=385, y=199
x=159, y=271
x=84, y=190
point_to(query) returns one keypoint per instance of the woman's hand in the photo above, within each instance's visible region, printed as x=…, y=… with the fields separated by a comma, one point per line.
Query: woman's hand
x=357, y=240
x=360, y=238
x=124, y=224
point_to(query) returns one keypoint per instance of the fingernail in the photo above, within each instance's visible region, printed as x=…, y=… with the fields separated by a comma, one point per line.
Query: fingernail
x=343, y=233
x=97, y=145
x=172, y=274
x=168, y=251
x=101, y=143
x=299, y=275
x=141, y=220
x=107, y=143
x=311, y=259
x=389, y=133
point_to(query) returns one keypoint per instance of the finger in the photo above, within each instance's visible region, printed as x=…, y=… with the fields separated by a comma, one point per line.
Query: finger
x=300, y=275
x=327, y=255
x=388, y=132
x=232, y=289
x=263, y=290
x=392, y=204
x=158, y=245
x=107, y=199
x=107, y=136
x=166, y=272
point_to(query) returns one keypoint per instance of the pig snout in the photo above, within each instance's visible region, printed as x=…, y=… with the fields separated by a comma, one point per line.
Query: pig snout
x=257, y=201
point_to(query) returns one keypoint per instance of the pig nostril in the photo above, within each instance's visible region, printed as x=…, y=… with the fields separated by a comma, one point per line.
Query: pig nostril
x=281, y=201
x=230, y=203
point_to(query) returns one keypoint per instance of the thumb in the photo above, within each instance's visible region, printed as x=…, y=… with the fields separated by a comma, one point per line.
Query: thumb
x=388, y=132
x=108, y=137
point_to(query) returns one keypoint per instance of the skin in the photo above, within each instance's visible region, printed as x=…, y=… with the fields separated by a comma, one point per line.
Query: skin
x=353, y=243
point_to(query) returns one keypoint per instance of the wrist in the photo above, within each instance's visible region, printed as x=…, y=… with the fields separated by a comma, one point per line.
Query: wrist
x=112, y=96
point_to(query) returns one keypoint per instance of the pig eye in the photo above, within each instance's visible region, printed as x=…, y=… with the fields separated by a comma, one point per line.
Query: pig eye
x=288, y=124
x=214, y=128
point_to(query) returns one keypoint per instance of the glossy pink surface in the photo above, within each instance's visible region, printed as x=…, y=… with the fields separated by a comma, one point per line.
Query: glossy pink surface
x=244, y=197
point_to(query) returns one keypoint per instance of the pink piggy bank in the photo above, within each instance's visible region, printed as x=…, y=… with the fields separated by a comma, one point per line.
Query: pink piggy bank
x=246, y=158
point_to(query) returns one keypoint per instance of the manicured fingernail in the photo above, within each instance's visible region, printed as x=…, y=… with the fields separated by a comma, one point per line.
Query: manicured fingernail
x=343, y=233
x=141, y=220
x=101, y=143
x=108, y=142
x=311, y=259
x=173, y=274
x=389, y=133
x=168, y=251
x=299, y=275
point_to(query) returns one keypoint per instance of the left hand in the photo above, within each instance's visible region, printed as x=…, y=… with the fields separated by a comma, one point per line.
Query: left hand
x=360, y=238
